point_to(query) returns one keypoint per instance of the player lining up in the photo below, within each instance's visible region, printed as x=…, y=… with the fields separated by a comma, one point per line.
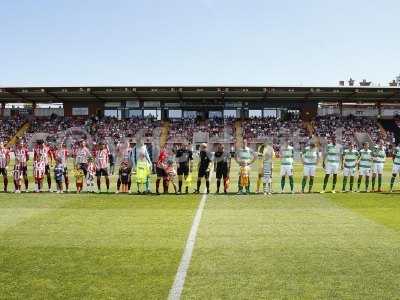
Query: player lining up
x=349, y=161
x=204, y=168
x=4, y=161
x=43, y=153
x=222, y=166
x=310, y=159
x=364, y=166
x=268, y=154
x=330, y=163
x=396, y=167
x=287, y=154
x=21, y=162
x=102, y=164
x=378, y=158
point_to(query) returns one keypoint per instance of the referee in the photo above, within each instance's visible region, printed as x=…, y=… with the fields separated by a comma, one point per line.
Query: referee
x=204, y=168
x=222, y=166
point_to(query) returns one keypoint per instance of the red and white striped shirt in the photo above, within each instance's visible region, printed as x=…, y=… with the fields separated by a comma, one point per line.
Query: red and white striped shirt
x=42, y=153
x=21, y=156
x=92, y=169
x=4, y=157
x=82, y=155
x=102, y=159
x=39, y=168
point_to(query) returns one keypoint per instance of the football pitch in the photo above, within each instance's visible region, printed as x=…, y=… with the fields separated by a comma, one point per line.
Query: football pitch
x=107, y=246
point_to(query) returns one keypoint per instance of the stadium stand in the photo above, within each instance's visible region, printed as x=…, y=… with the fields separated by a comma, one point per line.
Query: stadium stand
x=257, y=130
x=220, y=129
x=347, y=129
x=52, y=129
x=350, y=129
x=114, y=129
x=56, y=129
x=9, y=126
x=182, y=130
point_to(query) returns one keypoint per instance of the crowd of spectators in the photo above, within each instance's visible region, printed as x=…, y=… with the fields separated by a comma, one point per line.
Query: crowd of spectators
x=113, y=129
x=259, y=130
x=220, y=129
x=255, y=130
x=346, y=128
x=9, y=127
x=54, y=129
x=182, y=130
x=70, y=130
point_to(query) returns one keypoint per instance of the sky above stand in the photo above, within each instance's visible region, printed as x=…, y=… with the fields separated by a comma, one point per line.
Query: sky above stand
x=203, y=42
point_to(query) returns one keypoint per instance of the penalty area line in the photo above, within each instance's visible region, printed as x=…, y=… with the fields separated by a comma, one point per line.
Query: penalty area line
x=177, y=288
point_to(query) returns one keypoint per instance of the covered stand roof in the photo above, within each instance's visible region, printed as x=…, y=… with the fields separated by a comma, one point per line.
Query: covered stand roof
x=199, y=93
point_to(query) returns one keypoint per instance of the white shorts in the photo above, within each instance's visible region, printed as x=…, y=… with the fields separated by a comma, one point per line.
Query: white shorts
x=349, y=171
x=364, y=172
x=267, y=179
x=286, y=170
x=396, y=169
x=309, y=170
x=377, y=168
x=331, y=168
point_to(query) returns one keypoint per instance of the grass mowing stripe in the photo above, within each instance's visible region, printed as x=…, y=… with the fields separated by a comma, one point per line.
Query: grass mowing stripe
x=179, y=282
x=92, y=246
x=291, y=247
x=381, y=208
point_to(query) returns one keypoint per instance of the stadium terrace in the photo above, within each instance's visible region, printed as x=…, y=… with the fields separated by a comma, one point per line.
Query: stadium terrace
x=177, y=133
x=201, y=98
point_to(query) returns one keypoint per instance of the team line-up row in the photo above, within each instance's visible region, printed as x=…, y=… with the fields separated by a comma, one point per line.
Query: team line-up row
x=90, y=166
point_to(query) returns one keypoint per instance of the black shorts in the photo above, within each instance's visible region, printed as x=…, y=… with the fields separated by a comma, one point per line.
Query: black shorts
x=101, y=172
x=125, y=179
x=203, y=173
x=3, y=171
x=24, y=171
x=84, y=167
x=47, y=170
x=65, y=173
x=183, y=170
x=161, y=172
x=221, y=172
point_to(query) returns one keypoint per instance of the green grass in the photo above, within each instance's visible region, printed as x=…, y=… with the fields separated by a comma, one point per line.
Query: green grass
x=285, y=247
x=312, y=246
x=90, y=246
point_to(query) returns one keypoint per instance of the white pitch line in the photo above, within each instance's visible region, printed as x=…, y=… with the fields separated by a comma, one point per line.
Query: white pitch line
x=177, y=288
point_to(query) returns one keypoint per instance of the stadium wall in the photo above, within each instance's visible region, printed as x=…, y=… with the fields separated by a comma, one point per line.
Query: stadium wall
x=78, y=108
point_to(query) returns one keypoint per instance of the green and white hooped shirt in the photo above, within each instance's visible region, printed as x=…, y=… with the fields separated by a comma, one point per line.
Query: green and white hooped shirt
x=350, y=158
x=396, y=159
x=332, y=155
x=379, y=155
x=287, y=156
x=310, y=156
x=365, y=158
